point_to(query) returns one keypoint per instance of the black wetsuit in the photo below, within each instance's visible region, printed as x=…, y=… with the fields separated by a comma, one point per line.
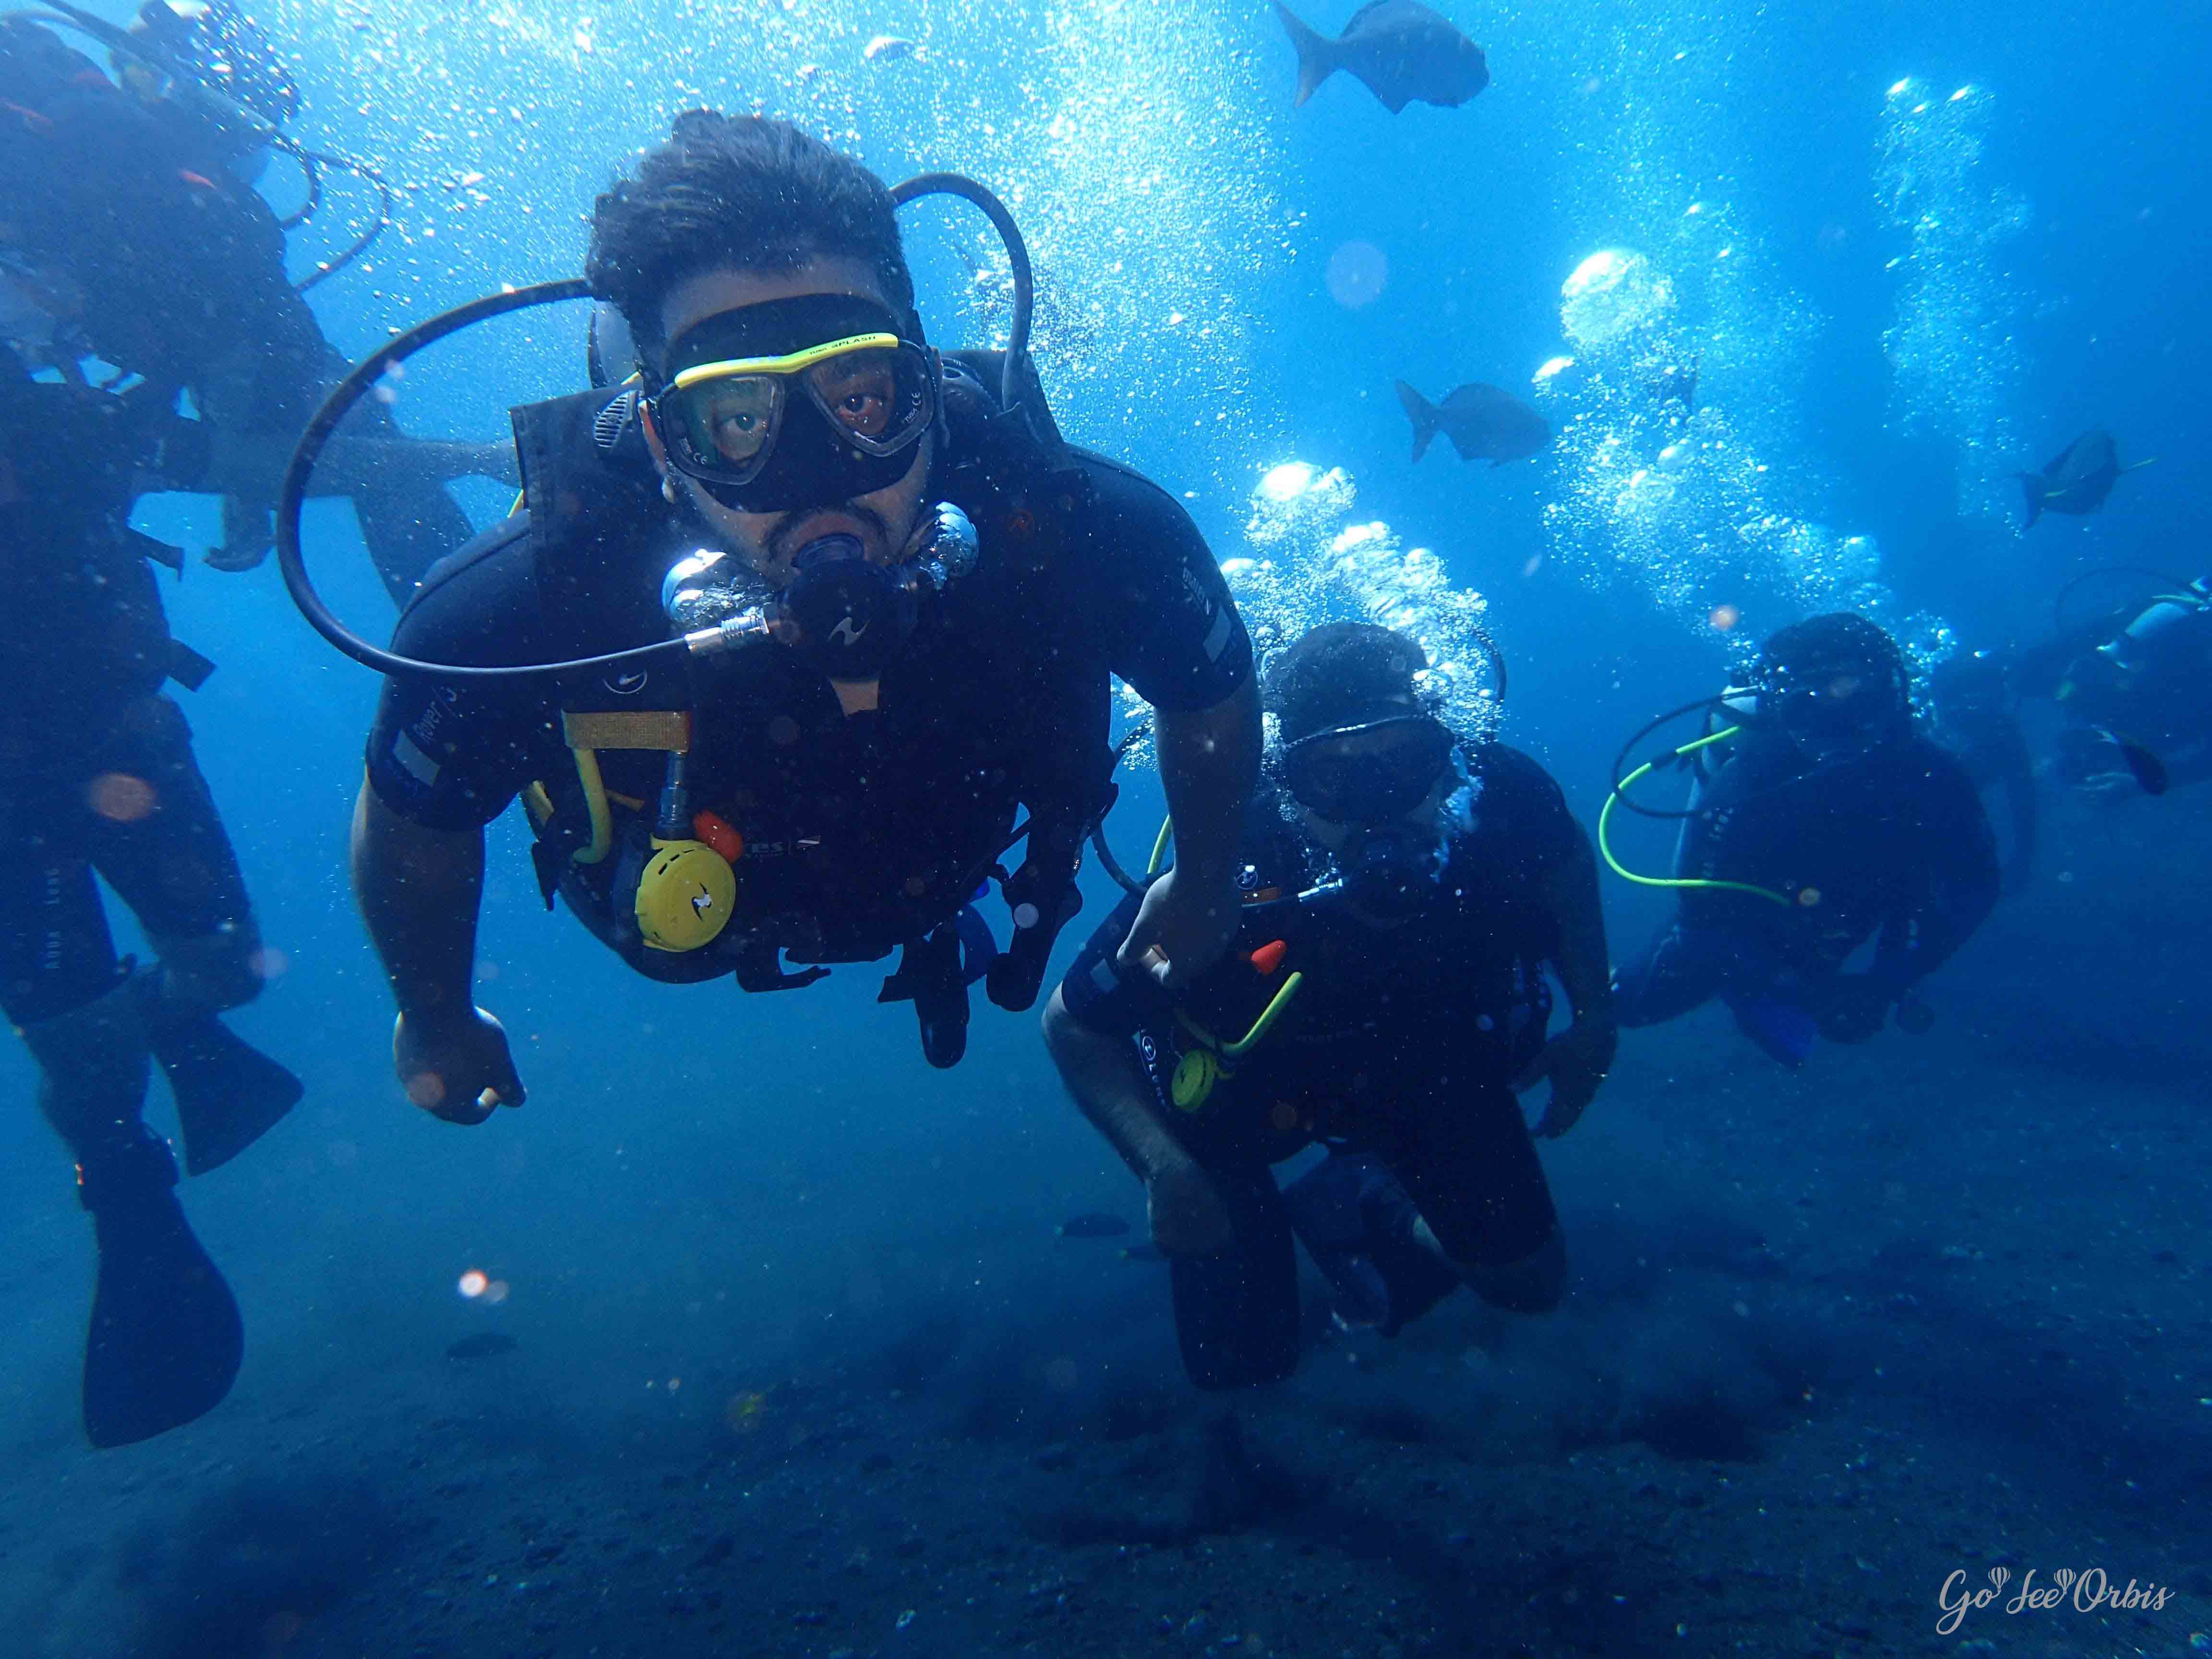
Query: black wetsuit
x=2152, y=686
x=1890, y=843
x=860, y=833
x=169, y=266
x=1400, y=1043
x=96, y=768
x=1971, y=713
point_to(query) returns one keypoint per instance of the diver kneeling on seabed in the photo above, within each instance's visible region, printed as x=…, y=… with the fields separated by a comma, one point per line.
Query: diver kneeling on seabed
x=1403, y=895
x=795, y=618
x=1830, y=824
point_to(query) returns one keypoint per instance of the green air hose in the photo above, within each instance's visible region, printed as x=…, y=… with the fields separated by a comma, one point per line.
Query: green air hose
x=1621, y=789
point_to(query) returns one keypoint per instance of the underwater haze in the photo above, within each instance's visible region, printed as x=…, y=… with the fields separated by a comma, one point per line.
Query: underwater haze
x=773, y=1346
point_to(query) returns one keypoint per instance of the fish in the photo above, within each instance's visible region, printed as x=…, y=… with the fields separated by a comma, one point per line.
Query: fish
x=1401, y=51
x=2078, y=479
x=482, y=1345
x=888, y=49
x=1484, y=423
x=1093, y=1224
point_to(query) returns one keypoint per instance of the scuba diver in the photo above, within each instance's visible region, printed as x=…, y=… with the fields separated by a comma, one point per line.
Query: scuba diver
x=896, y=598
x=1830, y=822
x=130, y=236
x=2140, y=704
x=97, y=777
x=1972, y=711
x=1403, y=895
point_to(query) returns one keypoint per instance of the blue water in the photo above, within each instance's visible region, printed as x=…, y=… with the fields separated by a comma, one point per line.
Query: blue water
x=797, y=1350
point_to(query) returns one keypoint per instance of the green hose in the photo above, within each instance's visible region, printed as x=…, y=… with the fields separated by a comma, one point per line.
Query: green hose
x=1605, y=844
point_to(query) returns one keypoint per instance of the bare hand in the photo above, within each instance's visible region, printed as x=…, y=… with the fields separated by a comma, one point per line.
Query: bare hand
x=1576, y=1062
x=1181, y=928
x=1187, y=1217
x=461, y=1071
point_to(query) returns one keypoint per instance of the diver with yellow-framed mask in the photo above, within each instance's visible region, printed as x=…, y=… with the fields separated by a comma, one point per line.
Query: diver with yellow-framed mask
x=801, y=624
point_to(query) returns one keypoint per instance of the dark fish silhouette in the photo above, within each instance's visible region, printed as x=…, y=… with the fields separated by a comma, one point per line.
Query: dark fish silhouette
x=482, y=1345
x=2077, y=480
x=1483, y=423
x=2147, y=769
x=1093, y=1225
x=1403, y=52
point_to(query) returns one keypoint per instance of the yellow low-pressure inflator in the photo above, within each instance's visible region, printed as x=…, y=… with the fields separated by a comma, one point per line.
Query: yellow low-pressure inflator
x=1201, y=1067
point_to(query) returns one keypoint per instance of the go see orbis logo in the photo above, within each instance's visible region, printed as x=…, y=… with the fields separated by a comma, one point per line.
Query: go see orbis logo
x=2084, y=1592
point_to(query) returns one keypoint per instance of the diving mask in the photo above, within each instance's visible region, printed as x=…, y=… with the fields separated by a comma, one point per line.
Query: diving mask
x=1368, y=773
x=1376, y=781
x=796, y=403
x=1831, y=711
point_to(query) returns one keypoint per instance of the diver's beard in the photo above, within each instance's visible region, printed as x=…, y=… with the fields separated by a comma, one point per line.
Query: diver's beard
x=769, y=559
x=1390, y=870
x=783, y=544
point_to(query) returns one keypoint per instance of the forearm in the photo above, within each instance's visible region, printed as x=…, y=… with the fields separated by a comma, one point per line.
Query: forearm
x=419, y=890
x=1110, y=1088
x=1581, y=965
x=1209, y=762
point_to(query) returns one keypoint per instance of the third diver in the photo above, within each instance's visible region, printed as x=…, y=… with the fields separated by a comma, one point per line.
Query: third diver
x=1403, y=897
x=1828, y=821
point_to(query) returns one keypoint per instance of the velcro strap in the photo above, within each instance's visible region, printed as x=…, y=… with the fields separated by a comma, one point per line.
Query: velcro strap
x=666, y=730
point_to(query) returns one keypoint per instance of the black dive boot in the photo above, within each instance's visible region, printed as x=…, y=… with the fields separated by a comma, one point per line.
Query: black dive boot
x=165, y=1340
x=229, y=1094
x=929, y=973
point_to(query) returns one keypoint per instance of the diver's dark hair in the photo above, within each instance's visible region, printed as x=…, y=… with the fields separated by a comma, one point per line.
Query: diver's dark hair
x=1341, y=674
x=1838, y=639
x=743, y=192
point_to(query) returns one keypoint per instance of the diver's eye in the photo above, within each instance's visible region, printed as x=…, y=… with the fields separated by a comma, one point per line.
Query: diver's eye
x=738, y=436
x=859, y=394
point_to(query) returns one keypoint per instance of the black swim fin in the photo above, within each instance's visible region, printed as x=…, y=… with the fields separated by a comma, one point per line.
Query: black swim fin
x=165, y=1340
x=929, y=975
x=229, y=1094
x=1236, y=1311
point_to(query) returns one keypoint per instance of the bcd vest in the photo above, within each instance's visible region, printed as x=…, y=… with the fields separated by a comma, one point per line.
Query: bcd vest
x=851, y=833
